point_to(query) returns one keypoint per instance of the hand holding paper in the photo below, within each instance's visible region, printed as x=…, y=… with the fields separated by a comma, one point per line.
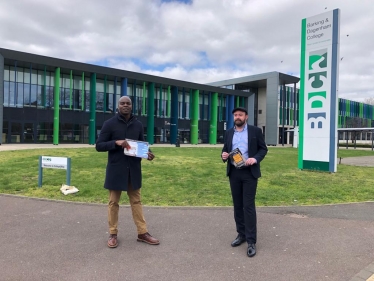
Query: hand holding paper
x=123, y=144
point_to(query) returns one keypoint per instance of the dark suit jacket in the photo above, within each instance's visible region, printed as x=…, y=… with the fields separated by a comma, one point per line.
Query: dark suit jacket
x=256, y=148
x=119, y=166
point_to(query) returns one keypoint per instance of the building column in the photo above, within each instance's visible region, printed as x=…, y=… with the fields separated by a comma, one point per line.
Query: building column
x=124, y=87
x=150, y=113
x=230, y=108
x=195, y=117
x=92, y=124
x=56, y=112
x=174, y=115
x=213, y=119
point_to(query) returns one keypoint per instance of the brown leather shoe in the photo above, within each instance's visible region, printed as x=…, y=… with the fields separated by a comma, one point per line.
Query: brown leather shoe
x=112, y=241
x=147, y=238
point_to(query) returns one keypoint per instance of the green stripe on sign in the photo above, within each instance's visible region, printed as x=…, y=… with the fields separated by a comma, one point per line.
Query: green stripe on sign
x=316, y=165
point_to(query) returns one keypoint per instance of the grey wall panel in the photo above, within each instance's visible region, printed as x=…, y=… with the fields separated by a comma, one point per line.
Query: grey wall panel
x=1, y=97
x=271, y=129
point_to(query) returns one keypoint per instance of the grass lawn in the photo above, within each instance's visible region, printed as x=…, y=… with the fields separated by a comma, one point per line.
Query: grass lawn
x=189, y=177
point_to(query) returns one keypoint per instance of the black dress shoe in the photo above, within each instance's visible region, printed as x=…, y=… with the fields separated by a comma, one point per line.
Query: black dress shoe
x=251, y=252
x=238, y=241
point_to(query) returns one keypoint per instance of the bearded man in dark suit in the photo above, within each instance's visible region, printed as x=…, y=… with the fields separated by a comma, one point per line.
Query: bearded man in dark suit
x=243, y=179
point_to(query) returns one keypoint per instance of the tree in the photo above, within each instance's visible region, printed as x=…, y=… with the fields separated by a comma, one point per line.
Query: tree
x=369, y=100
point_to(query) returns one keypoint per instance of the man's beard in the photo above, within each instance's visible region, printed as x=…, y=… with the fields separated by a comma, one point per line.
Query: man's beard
x=239, y=123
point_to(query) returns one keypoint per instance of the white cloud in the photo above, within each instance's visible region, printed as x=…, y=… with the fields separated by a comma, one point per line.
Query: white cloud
x=205, y=41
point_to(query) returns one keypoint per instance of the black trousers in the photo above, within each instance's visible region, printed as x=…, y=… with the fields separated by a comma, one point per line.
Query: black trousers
x=243, y=190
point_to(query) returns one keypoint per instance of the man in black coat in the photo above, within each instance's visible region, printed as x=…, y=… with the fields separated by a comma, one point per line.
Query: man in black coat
x=243, y=179
x=123, y=173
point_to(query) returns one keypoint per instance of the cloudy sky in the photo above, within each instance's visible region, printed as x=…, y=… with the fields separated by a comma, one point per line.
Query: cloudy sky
x=193, y=40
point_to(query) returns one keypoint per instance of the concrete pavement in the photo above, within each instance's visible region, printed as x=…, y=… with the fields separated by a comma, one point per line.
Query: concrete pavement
x=54, y=240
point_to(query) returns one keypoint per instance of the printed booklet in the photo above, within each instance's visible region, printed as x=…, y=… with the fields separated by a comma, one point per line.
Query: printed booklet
x=137, y=148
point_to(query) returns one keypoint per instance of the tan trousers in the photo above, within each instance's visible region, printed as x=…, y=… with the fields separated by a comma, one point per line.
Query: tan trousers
x=136, y=208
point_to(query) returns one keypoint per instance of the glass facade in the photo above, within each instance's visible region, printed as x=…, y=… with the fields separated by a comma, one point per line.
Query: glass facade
x=288, y=100
x=29, y=106
x=31, y=92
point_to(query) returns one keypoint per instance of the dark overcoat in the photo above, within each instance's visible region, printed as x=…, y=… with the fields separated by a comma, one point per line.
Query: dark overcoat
x=256, y=148
x=120, y=168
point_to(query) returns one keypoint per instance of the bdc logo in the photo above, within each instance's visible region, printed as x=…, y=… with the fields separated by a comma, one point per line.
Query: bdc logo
x=316, y=105
x=47, y=159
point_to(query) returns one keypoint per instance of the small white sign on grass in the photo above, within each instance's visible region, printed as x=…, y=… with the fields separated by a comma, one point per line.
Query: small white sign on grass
x=54, y=162
x=62, y=163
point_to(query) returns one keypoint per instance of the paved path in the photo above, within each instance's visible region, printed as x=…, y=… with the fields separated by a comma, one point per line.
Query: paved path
x=21, y=146
x=367, y=161
x=52, y=240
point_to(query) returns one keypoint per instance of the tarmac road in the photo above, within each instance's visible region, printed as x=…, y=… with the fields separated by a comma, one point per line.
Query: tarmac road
x=54, y=240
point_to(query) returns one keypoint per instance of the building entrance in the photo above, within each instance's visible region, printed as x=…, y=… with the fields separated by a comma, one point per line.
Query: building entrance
x=18, y=132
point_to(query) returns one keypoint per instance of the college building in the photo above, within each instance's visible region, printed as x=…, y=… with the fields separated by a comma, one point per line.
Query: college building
x=50, y=100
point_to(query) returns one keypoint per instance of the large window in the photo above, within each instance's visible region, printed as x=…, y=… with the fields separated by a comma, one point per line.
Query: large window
x=138, y=100
x=77, y=92
x=99, y=95
x=12, y=94
x=49, y=90
x=6, y=93
x=49, y=96
x=110, y=97
x=35, y=89
x=87, y=100
x=19, y=95
x=65, y=100
x=187, y=106
x=204, y=105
